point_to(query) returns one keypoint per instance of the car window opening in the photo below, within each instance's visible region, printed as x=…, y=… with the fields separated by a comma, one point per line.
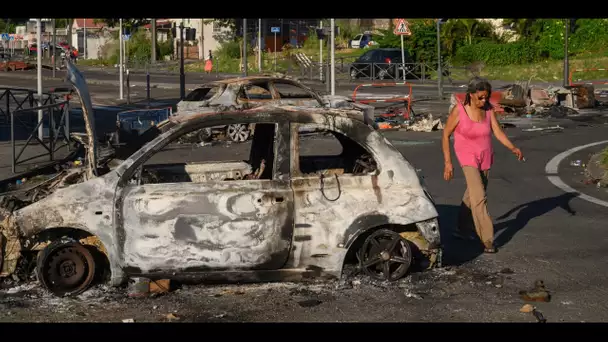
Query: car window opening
x=341, y=156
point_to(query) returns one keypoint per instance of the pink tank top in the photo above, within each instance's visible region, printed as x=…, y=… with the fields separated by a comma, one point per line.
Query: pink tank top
x=473, y=141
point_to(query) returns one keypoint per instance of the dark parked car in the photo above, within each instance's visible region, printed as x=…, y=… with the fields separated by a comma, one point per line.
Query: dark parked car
x=386, y=63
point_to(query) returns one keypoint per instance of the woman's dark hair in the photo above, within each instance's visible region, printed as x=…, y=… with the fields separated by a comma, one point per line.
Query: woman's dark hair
x=479, y=84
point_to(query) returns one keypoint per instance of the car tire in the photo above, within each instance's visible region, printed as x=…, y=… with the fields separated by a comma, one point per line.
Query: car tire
x=238, y=132
x=66, y=267
x=382, y=248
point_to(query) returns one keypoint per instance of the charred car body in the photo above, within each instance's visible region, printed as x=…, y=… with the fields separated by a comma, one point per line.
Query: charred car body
x=278, y=216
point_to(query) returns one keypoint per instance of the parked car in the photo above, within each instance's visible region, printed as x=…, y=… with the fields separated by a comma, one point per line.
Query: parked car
x=279, y=215
x=385, y=63
x=361, y=41
x=248, y=92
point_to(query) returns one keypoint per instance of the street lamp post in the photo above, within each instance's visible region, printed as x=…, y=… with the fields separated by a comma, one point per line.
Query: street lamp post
x=566, y=61
x=182, y=76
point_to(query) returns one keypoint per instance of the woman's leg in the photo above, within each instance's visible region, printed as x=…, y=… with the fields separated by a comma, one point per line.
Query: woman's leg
x=476, y=189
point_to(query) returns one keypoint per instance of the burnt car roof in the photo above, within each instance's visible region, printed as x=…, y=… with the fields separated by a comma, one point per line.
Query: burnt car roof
x=294, y=111
x=248, y=79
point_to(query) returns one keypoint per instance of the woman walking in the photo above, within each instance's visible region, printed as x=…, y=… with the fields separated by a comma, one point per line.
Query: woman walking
x=473, y=123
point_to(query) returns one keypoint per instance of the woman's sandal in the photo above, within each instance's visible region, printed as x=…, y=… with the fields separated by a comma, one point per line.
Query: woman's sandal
x=490, y=250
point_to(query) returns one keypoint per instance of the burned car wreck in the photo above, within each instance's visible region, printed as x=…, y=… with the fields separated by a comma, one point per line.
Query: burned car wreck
x=253, y=91
x=280, y=215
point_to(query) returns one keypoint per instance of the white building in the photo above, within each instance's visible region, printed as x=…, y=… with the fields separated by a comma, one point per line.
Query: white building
x=208, y=35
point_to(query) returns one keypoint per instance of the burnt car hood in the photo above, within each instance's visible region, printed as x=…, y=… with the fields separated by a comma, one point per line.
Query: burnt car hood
x=78, y=81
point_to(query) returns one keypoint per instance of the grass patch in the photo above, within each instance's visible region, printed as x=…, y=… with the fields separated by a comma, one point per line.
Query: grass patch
x=94, y=62
x=232, y=65
x=604, y=160
x=546, y=71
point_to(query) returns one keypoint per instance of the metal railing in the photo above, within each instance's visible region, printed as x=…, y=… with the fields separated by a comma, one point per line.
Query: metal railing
x=19, y=110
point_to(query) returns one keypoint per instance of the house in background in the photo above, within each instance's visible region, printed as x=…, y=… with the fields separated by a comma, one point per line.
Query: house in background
x=209, y=36
x=97, y=35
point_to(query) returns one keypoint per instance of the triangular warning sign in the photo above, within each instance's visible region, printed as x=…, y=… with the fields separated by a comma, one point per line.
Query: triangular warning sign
x=402, y=27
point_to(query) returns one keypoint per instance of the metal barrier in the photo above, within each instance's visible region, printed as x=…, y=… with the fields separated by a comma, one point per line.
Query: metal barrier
x=407, y=98
x=54, y=131
x=15, y=102
x=585, y=70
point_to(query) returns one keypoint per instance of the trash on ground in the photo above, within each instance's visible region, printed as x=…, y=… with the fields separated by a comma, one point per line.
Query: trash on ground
x=527, y=308
x=128, y=320
x=172, y=317
x=309, y=303
x=410, y=294
x=575, y=163
x=538, y=294
x=536, y=129
x=539, y=316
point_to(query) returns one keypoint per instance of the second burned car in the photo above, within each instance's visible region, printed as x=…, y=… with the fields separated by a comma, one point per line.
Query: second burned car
x=254, y=91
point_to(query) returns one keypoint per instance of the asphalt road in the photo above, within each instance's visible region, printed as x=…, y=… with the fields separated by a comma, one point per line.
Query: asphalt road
x=542, y=233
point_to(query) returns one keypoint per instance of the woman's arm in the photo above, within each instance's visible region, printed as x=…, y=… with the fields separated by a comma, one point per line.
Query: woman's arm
x=450, y=126
x=502, y=137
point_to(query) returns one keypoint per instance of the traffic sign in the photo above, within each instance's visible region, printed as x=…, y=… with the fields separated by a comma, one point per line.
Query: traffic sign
x=275, y=29
x=5, y=36
x=402, y=28
x=126, y=36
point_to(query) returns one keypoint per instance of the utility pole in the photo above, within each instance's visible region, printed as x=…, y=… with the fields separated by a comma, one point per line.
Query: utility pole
x=39, y=60
x=439, y=71
x=84, y=36
x=182, y=76
x=333, y=57
x=566, y=61
x=153, y=57
x=260, y=45
x=321, y=53
x=245, y=47
x=120, y=67
x=54, y=59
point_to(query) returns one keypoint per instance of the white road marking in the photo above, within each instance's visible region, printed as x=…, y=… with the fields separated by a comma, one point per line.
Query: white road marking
x=553, y=165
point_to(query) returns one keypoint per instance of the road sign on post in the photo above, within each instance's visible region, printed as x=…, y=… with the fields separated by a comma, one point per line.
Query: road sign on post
x=275, y=30
x=5, y=36
x=402, y=29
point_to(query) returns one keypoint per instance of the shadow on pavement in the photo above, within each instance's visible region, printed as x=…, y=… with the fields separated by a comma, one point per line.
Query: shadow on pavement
x=526, y=212
x=455, y=251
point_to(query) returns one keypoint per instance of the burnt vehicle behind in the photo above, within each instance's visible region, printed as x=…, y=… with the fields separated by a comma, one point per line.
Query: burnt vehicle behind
x=284, y=212
x=250, y=92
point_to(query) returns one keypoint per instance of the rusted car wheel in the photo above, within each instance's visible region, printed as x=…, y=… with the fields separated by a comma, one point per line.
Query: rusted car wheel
x=66, y=268
x=385, y=255
x=238, y=132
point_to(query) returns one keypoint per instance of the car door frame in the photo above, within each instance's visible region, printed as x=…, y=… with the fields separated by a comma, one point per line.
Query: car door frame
x=281, y=174
x=276, y=94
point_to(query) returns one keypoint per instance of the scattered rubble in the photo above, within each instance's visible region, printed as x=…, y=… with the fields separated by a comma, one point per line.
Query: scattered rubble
x=537, y=294
x=527, y=308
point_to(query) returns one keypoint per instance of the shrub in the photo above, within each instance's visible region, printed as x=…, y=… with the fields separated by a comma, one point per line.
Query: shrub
x=491, y=53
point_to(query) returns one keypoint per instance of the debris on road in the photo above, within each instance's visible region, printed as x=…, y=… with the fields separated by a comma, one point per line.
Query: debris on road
x=171, y=317
x=527, y=308
x=575, y=163
x=309, y=303
x=128, y=320
x=425, y=124
x=538, y=294
x=538, y=129
x=539, y=316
